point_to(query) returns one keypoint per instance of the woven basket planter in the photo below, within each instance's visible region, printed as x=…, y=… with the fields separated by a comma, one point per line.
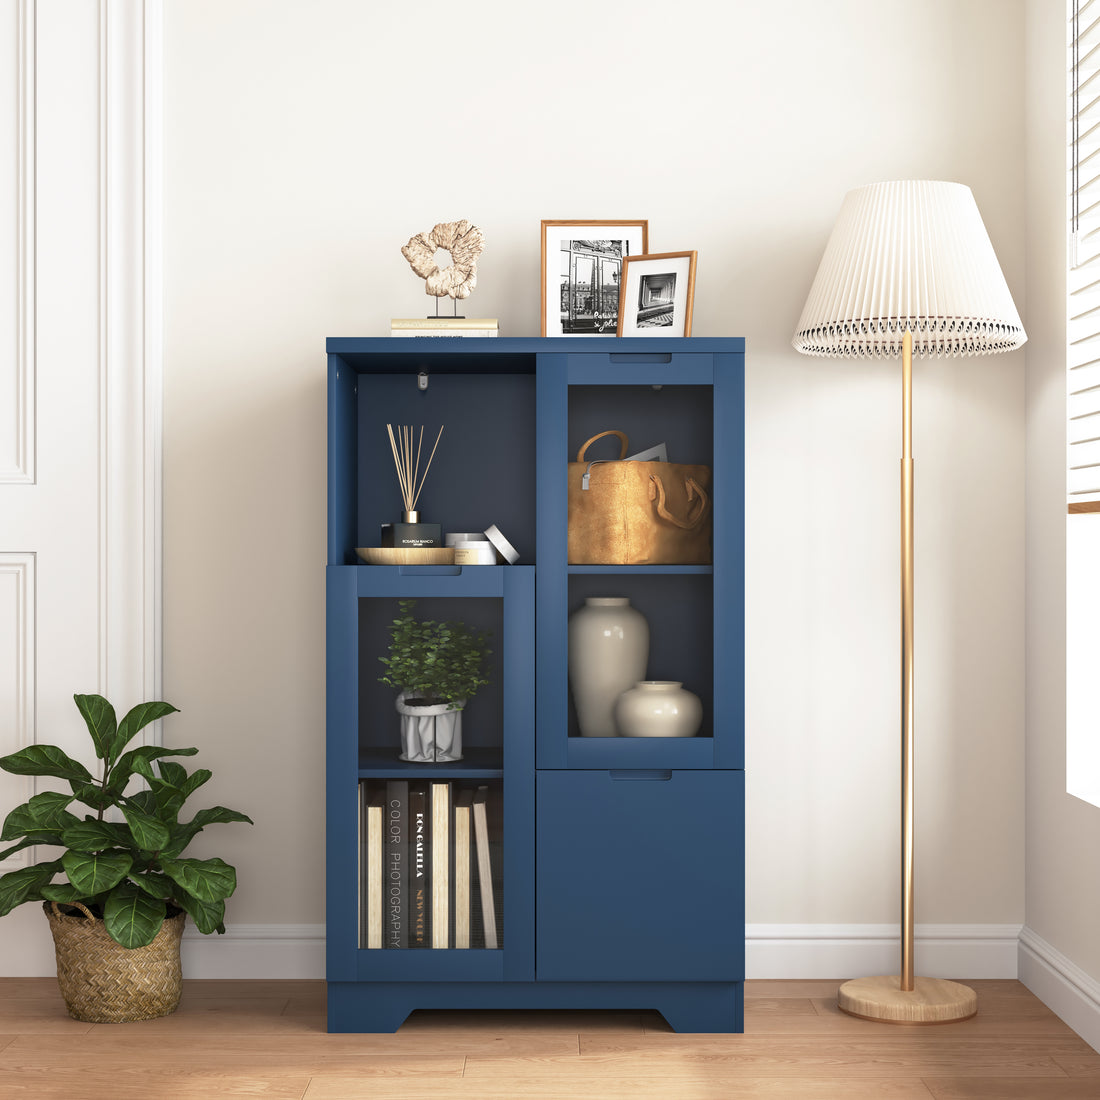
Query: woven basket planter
x=105, y=983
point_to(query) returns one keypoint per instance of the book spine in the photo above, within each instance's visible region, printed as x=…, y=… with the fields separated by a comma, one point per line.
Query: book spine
x=419, y=868
x=361, y=869
x=463, y=807
x=441, y=857
x=484, y=868
x=482, y=332
x=396, y=865
x=374, y=869
x=442, y=323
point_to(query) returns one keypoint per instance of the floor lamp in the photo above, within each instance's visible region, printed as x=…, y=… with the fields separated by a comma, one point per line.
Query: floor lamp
x=909, y=266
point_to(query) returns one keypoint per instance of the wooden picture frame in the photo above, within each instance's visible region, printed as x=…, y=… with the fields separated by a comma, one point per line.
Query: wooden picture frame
x=657, y=294
x=582, y=272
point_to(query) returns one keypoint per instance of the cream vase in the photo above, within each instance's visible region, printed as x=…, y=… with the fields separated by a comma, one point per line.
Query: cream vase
x=658, y=708
x=608, y=653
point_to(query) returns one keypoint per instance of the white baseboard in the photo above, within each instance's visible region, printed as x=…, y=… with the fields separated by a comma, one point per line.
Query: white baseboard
x=255, y=951
x=859, y=950
x=772, y=951
x=1061, y=985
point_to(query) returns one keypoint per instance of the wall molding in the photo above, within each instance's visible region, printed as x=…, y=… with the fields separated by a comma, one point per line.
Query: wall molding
x=131, y=354
x=18, y=467
x=772, y=951
x=857, y=950
x=1061, y=985
x=255, y=951
x=20, y=616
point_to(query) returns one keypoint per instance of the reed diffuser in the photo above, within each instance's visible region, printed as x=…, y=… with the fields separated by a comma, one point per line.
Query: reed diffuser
x=407, y=448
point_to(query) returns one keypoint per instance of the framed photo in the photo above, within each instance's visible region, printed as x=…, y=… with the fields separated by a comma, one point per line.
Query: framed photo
x=582, y=269
x=657, y=295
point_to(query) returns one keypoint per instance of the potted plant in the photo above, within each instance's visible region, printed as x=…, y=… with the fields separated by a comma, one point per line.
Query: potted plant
x=117, y=915
x=437, y=668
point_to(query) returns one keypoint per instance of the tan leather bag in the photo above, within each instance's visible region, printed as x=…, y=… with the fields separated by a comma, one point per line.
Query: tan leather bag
x=637, y=513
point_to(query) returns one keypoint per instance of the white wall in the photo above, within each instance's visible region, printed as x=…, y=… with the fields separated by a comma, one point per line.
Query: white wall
x=1060, y=958
x=306, y=143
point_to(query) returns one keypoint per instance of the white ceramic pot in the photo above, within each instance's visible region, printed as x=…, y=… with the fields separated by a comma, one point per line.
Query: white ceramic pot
x=658, y=708
x=608, y=652
x=430, y=735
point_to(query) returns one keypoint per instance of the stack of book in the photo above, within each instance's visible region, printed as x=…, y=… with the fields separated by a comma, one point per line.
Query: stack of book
x=429, y=872
x=444, y=326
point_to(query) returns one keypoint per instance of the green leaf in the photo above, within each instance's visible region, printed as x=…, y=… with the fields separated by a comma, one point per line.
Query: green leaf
x=218, y=815
x=140, y=761
x=135, y=721
x=143, y=800
x=132, y=917
x=26, y=842
x=94, y=873
x=95, y=836
x=149, y=833
x=182, y=835
x=25, y=884
x=99, y=717
x=206, y=879
x=209, y=916
x=175, y=775
x=45, y=760
x=156, y=886
x=92, y=795
x=64, y=893
x=43, y=813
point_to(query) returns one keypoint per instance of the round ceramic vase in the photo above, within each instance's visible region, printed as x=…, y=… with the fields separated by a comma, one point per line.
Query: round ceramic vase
x=430, y=735
x=608, y=652
x=658, y=708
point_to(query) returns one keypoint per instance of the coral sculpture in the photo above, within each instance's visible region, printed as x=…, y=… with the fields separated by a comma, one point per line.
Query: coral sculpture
x=463, y=241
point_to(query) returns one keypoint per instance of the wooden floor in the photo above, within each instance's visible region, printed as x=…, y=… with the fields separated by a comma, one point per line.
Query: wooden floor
x=268, y=1039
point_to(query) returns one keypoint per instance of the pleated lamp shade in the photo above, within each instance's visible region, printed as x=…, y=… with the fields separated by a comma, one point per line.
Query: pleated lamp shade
x=909, y=254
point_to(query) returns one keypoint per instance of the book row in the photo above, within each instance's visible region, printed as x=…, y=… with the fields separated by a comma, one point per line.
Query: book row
x=429, y=866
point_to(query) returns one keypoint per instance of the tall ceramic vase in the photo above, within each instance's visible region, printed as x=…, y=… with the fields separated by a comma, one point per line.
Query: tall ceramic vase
x=608, y=652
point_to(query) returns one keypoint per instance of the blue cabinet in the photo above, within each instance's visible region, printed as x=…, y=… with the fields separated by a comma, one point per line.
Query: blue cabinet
x=619, y=862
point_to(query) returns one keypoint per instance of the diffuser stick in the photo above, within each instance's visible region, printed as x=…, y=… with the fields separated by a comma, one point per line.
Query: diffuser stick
x=409, y=478
x=429, y=466
x=401, y=481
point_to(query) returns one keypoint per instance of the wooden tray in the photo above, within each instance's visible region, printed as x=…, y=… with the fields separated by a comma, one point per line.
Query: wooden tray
x=394, y=555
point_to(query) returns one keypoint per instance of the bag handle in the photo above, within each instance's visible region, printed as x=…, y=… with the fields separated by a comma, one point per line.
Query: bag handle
x=694, y=491
x=622, y=437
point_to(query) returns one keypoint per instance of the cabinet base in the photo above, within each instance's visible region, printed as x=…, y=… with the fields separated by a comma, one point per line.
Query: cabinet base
x=686, y=1006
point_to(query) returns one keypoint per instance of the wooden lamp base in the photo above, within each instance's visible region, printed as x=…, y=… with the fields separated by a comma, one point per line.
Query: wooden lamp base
x=931, y=1001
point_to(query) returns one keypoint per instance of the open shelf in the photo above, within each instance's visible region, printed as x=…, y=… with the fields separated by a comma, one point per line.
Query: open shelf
x=678, y=607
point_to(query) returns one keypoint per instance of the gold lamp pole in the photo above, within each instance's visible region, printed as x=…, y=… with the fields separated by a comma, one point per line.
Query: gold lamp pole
x=908, y=256
x=907, y=707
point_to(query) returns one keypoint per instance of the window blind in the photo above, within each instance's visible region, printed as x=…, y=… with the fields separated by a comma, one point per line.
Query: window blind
x=1083, y=375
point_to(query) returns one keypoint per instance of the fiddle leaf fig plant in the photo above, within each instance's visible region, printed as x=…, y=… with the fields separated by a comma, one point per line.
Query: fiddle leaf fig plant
x=128, y=872
x=434, y=662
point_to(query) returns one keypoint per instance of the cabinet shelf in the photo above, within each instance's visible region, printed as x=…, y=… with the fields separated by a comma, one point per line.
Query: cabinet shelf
x=640, y=753
x=477, y=763
x=634, y=570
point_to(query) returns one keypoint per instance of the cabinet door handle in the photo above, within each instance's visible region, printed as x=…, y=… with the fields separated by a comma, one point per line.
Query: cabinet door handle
x=650, y=774
x=640, y=357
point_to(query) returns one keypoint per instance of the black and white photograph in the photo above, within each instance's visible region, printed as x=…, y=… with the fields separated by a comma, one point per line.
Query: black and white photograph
x=657, y=295
x=655, y=299
x=582, y=266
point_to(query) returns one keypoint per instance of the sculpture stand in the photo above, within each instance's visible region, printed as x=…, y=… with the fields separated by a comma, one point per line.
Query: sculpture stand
x=456, y=315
